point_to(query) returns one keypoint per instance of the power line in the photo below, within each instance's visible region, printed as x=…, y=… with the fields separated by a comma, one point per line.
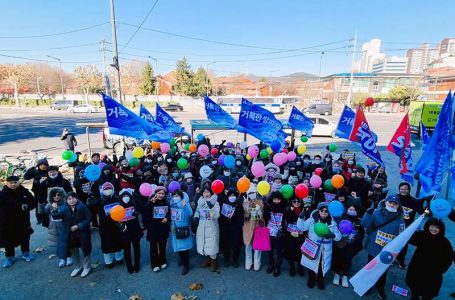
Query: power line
x=46, y=60
x=47, y=49
x=53, y=34
x=140, y=25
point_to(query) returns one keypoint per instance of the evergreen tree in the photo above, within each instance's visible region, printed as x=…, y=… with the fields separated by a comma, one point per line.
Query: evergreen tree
x=184, y=77
x=199, y=81
x=148, y=83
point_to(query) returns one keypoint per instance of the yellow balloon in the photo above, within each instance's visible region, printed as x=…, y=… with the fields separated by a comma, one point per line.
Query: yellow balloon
x=82, y=158
x=301, y=149
x=269, y=150
x=248, y=157
x=263, y=188
x=138, y=152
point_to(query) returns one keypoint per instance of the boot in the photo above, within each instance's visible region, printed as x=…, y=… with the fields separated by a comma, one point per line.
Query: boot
x=277, y=271
x=300, y=270
x=321, y=284
x=185, y=269
x=311, y=280
x=291, y=268
x=213, y=265
x=270, y=268
x=206, y=262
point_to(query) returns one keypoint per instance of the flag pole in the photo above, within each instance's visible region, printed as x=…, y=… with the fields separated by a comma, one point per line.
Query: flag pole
x=449, y=172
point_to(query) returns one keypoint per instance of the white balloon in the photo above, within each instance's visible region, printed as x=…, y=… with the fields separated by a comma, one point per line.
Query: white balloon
x=205, y=171
x=243, y=145
x=129, y=154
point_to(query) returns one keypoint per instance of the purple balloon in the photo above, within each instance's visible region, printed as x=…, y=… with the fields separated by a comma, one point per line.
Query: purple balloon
x=101, y=165
x=230, y=145
x=221, y=160
x=173, y=186
x=346, y=227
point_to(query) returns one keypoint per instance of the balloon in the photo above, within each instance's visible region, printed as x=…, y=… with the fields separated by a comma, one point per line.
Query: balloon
x=73, y=158
x=165, y=147
x=203, y=150
x=172, y=142
x=243, y=145
x=315, y=181
x=187, y=147
x=173, y=186
x=138, y=152
x=337, y=181
x=101, y=165
x=172, y=151
x=82, y=158
x=369, y=101
x=66, y=155
x=182, y=163
x=264, y=153
x=258, y=169
x=248, y=157
x=440, y=208
x=129, y=154
x=221, y=160
x=291, y=156
x=253, y=151
x=230, y=145
x=285, y=151
x=321, y=229
x=346, y=227
x=287, y=191
x=217, y=186
x=192, y=148
x=318, y=171
x=332, y=147
x=276, y=146
x=243, y=184
x=214, y=151
x=304, y=139
x=301, y=149
x=301, y=191
x=336, y=208
x=92, y=172
x=154, y=186
x=263, y=188
x=117, y=213
x=156, y=145
x=269, y=150
x=134, y=162
x=280, y=159
x=229, y=161
x=145, y=189
x=205, y=171
x=328, y=185
x=200, y=137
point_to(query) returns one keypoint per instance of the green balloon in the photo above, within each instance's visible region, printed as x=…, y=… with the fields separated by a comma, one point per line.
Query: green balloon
x=332, y=147
x=287, y=191
x=304, y=139
x=187, y=147
x=173, y=150
x=134, y=162
x=328, y=185
x=172, y=142
x=66, y=155
x=264, y=153
x=182, y=163
x=321, y=229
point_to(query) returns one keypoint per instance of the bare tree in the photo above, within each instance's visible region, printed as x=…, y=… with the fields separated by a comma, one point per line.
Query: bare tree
x=16, y=75
x=131, y=77
x=89, y=78
x=45, y=78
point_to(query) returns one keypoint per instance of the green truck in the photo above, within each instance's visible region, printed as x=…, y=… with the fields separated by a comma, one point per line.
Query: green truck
x=426, y=112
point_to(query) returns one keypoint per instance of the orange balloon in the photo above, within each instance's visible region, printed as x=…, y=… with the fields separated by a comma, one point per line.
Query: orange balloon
x=117, y=213
x=243, y=184
x=192, y=148
x=156, y=145
x=337, y=181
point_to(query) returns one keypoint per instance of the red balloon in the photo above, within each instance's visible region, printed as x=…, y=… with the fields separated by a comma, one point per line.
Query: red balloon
x=369, y=101
x=217, y=186
x=318, y=171
x=214, y=151
x=301, y=191
x=285, y=151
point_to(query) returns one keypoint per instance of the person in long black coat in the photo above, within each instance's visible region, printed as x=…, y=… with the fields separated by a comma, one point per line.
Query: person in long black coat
x=431, y=259
x=231, y=222
x=15, y=228
x=88, y=192
x=294, y=238
x=39, y=174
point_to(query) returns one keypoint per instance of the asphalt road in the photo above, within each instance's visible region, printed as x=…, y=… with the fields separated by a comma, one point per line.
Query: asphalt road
x=40, y=130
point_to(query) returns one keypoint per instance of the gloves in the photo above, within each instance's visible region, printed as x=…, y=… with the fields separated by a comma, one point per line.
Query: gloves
x=370, y=211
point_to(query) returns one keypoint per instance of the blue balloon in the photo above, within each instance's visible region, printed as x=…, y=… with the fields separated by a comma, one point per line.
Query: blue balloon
x=200, y=137
x=229, y=161
x=336, y=208
x=440, y=208
x=276, y=146
x=386, y=257
x=92, y=172
x=73, y=158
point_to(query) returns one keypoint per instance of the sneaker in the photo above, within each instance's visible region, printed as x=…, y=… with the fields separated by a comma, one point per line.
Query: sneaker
x=8, y=262
x=61, y=263
x=69, y=261
x=336, y=279
x=75, y=272
x=344, y=281
x=156, y=269
x=85, y=272
x=257, y=267
x=27, y=256
x=163, y=266
x=248, y=266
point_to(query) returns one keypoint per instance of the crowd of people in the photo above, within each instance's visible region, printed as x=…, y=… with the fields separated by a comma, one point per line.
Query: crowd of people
x=181, y=202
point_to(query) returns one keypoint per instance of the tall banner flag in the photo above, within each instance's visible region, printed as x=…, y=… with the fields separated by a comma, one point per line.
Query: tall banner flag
x=435, y=162
x=145, y=114
x=362, y=134
x=345, y=123
x=299, y=121
x=424, y=135
x=218, y=115
x=166, y=121
x=260, y=123
x=400, y=145
x=370, y=274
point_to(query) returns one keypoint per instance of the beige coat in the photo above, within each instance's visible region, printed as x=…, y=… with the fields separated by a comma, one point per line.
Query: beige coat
x=251, y=222
x=208, y=232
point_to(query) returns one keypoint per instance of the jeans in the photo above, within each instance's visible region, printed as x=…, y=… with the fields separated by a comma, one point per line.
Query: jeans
x=86, y=264
x=249, y=257
x=110, y=257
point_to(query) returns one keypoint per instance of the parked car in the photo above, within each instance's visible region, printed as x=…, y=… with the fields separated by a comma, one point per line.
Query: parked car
x=318, y=109
x=83, y=108
x=63, y=104
x=322, y=127
x=173, y=107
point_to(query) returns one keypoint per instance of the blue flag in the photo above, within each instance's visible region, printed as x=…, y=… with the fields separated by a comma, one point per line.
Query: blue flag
x=260, y=123
x=434, y=163
x=424, y=135
x=166, y=121
x=345, y=123
x=299, y=121
x=217, y=115
x=145, y=114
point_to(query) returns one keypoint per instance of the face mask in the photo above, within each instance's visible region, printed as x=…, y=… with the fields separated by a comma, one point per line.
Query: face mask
x=350, y=162
x=126, y=199
x=53, y=176
x=189, y=181
x=232, y=199
x=175, y=175
x=176, y=199
x=298, y=163
x=227, y=173
x=351, y=213
x=108, y=193
x=148, y=160
x=327, y=159
x=169, y=160
x=213, y=162
x=317, y=161
x=106, y=172
x=160, y=158
x=238, y=163
x=391, y=209
x=336, y=169
x=252, y=196
x=307, y=202
x=276, y=186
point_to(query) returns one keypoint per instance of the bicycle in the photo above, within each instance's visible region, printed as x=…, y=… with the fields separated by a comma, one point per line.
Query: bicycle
x=19, y=166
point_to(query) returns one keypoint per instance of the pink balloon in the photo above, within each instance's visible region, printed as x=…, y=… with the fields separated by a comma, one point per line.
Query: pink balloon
x=258, y=169
x=280, y=159
x=145, y=189
x=203, y=150
x=165, y=147
x=315, y=181
x=291, y=156
x=253, y=151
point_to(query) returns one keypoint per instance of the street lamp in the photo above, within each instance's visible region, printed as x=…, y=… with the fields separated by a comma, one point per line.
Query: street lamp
x=156, y=76
x=61, y=78
x=207, y=77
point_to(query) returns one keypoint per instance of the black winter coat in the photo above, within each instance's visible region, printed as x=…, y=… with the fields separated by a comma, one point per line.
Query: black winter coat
x=38, y=176
x=231, y=233
x=131, y=229
x=109, y=229
x=60, y=181
x=292, y=244
x=153, y=221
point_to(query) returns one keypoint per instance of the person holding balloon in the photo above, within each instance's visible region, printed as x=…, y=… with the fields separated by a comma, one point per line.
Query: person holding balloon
x=322, y=231
x=253, y=217
x=359, y=186
x=88, y=192
x=127, y=171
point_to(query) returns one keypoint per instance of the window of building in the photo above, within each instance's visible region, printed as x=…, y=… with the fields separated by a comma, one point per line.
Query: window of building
x=375, y=86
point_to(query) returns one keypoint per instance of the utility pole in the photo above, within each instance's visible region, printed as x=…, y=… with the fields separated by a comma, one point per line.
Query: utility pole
x=61, y=77
x=207, y=77
x=115, y=61
x=351, y=81
x=106, y=78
